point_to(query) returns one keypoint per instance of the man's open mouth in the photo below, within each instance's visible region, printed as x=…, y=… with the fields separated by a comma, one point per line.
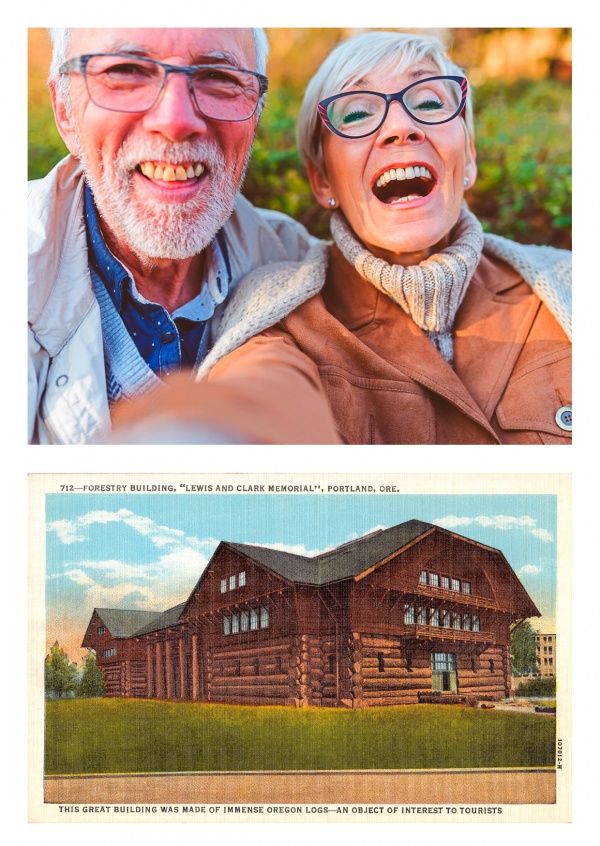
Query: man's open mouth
x=171, y=172
x=401, y=185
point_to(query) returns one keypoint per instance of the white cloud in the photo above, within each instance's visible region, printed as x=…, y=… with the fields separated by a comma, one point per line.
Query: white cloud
x=531, y=569
x=503, y=522
x=66, y=530
x=69, y=531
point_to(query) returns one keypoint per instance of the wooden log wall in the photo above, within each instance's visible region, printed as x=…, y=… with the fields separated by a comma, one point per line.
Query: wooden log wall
x=259, y=675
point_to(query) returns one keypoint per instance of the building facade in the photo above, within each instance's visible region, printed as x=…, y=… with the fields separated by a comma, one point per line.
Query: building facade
x=407, y=614
x=545, y=654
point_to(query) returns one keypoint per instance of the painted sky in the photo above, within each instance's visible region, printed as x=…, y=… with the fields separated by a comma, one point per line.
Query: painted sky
x=148, y=550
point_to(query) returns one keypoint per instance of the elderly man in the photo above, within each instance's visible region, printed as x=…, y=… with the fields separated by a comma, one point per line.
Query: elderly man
x=139, y=236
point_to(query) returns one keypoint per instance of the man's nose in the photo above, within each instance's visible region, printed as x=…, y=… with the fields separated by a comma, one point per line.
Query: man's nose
x=399, y=127
x=175, y=114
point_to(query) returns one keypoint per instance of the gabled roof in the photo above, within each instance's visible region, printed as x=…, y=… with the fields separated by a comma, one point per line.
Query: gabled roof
x=170, y=617
x=346, y=561
x=122, y=623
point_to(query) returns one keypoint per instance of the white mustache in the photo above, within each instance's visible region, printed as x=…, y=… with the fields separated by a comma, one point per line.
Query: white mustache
x=132, y=153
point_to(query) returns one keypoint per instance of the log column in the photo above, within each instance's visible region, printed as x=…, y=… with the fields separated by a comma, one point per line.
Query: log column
x=195, y=675
x=149, y=671
x=183, y=670
x=169, y=669
x=160, y=689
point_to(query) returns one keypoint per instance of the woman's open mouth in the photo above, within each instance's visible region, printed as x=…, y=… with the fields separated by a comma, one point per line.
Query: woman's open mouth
x=402, y=185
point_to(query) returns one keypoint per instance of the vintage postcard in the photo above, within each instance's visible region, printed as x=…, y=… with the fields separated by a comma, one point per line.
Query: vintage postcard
x=300, y=648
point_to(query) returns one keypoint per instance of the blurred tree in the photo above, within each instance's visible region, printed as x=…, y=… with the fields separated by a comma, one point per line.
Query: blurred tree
x=92, y=679
x=60, y=674
x=522, y=650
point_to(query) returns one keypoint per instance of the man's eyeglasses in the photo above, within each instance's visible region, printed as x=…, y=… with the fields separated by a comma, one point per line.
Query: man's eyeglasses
x=356, y=114
x=123, y=82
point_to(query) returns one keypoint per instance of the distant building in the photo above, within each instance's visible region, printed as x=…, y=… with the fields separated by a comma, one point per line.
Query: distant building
x=388, y=619
x=545, y=654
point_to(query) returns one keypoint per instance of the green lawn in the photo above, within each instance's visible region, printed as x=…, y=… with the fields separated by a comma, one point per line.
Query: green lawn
x=112, y=735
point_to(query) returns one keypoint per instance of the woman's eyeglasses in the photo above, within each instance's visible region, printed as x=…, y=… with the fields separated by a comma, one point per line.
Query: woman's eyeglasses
x=356, y=114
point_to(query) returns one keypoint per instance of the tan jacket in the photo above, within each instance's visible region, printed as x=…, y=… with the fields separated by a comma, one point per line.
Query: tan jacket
x=387, y=384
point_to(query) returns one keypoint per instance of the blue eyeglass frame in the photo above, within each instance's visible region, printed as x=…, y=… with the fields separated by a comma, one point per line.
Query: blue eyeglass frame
x=79, y=65
x=398, y=97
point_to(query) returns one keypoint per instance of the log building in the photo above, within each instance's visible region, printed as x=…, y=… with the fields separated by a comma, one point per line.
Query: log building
x=406, y=614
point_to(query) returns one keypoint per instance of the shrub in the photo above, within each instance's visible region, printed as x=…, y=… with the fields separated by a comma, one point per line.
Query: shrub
x=538, y=687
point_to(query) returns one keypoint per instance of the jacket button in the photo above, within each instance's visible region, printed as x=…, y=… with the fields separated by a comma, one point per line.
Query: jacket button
x=564, y=418
x=62, y=380
x=168, y=337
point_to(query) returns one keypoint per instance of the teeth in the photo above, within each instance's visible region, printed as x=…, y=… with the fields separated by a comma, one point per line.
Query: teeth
x=403, y=173
x=171, y=173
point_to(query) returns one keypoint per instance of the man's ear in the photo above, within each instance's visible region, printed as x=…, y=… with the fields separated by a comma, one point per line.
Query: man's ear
x=470, y=163
x=64, y=120
x=320, y=185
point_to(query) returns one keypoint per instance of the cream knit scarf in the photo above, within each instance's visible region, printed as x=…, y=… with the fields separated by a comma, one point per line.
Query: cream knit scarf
x=430, y=292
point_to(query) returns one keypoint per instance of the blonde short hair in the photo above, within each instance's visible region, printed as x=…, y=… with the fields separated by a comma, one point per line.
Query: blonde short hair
x=357, y=57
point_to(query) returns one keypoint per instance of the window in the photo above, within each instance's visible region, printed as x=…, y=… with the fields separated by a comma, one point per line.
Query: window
x=264, y=617
x=422, y=616
x=101, y=630
x=456, y=621
x=223, y=585
x=467, y=623
x=456, y=585
x=235, y=623
x=476, y=624
x=244, y=621
x=423, y=577
x=232, y=583
x=434, y=617
x=445, y=582
x=253, y=619
x=409, y=614
x=226, y=625
x=109, y=653
x=434, y=580
x=466, y=586
x=381, y=662
x=241, y=580
x=446, y=620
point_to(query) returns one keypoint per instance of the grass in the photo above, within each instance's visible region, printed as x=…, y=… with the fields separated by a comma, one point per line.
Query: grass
x=111, y=735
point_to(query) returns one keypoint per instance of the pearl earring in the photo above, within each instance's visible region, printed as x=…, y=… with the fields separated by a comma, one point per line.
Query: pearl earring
x=332, y=202
x=466, y=182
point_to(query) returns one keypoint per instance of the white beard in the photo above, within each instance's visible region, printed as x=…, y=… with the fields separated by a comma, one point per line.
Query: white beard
x=155, y=229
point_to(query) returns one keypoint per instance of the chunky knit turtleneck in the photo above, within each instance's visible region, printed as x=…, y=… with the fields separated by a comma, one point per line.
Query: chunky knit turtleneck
x=430, y=292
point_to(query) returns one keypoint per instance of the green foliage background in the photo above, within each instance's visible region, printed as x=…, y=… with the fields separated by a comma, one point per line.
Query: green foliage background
x=523, y=141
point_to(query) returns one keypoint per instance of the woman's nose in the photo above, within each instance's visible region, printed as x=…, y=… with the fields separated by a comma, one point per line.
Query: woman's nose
x=399, y=127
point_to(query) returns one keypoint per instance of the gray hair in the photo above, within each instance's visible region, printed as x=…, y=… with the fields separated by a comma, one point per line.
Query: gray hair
x=61, y=40
x=357, y=57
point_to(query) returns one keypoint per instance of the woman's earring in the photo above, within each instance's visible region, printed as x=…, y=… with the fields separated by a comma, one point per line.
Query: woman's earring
x=332, y=202
x=466, y=181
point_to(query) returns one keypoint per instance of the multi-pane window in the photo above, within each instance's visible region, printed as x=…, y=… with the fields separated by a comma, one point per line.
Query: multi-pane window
x=443, y=662
x=434, y=617
x=434, y=579
x=409, y=614
x=226, y=625
x=456, y=621
x=476, y=624
x=235, y=623
x=422, y=616
x=223, y=585
x=456, y=585
x=232, y=583
x=247, y=620
x=467, y=623
x=446, y=620
x=445, y=582
x=101, y=630
x=466, y=586
x=109, y=653
x=423, y=577
x=244, y=621
x=241, y=580
x=253, y=619
x=264, y=617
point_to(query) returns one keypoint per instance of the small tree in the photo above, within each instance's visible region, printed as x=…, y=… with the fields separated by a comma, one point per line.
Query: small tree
x=522, y=650
x=92, y=680
x=60, y=674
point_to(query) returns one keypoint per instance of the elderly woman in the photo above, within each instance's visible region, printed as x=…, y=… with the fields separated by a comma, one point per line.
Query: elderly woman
x=420, y=328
